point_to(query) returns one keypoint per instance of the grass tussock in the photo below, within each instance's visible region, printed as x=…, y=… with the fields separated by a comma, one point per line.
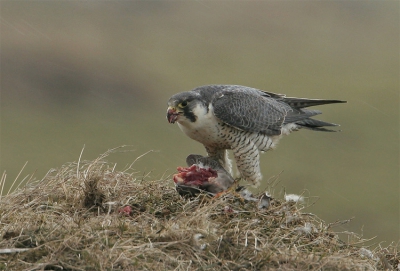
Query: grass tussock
x=88, y=216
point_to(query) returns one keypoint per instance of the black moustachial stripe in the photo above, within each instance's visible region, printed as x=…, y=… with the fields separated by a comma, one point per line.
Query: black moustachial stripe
x=189, y=114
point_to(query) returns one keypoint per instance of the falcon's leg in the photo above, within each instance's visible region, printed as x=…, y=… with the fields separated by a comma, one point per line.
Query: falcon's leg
x=222, y=157
x=231, y=190
x=247, y=159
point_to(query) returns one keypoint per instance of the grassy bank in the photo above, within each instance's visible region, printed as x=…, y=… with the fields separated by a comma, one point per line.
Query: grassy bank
x=88, y=216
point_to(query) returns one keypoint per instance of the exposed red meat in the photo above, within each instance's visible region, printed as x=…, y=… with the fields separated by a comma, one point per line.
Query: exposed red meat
x=194, y=175
x=126, y=211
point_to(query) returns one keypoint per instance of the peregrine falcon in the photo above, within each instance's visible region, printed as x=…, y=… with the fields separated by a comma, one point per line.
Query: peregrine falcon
x=242, y=119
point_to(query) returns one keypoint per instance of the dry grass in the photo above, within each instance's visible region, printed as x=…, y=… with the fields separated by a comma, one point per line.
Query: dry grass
x=71, y=220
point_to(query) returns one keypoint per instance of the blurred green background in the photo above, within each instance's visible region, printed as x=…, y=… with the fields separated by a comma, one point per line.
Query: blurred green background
x=99, y=73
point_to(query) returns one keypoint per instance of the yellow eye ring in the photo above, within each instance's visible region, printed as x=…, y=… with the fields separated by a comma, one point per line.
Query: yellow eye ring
x=183, y=104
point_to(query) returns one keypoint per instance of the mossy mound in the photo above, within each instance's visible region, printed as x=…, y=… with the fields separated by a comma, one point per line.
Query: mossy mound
x=88, y=216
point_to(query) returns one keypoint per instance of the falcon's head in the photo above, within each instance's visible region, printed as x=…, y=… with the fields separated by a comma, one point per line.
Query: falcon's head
x=185, y=107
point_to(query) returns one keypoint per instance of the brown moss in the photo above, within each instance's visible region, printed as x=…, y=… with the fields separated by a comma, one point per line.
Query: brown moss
x=93, y=196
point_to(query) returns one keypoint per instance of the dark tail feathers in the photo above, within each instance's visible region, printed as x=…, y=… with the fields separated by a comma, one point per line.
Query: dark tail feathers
x=304, y=102
x=316, y=125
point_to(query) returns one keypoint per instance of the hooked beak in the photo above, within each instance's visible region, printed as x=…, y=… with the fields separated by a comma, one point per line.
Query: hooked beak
x=172, y=115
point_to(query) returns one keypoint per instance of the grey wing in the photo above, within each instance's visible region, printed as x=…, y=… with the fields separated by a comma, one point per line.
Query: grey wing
x=249, y=110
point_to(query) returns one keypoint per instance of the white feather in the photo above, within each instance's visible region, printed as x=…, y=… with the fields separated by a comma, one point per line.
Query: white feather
x=204, y=129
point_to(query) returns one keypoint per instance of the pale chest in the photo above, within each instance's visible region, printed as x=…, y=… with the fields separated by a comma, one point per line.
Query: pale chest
x=207, y=131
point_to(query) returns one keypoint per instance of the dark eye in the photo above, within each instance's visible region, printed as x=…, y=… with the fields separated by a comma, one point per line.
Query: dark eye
x=183, y=104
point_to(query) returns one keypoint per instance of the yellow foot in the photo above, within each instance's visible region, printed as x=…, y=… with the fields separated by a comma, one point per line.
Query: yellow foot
x=231, y=190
